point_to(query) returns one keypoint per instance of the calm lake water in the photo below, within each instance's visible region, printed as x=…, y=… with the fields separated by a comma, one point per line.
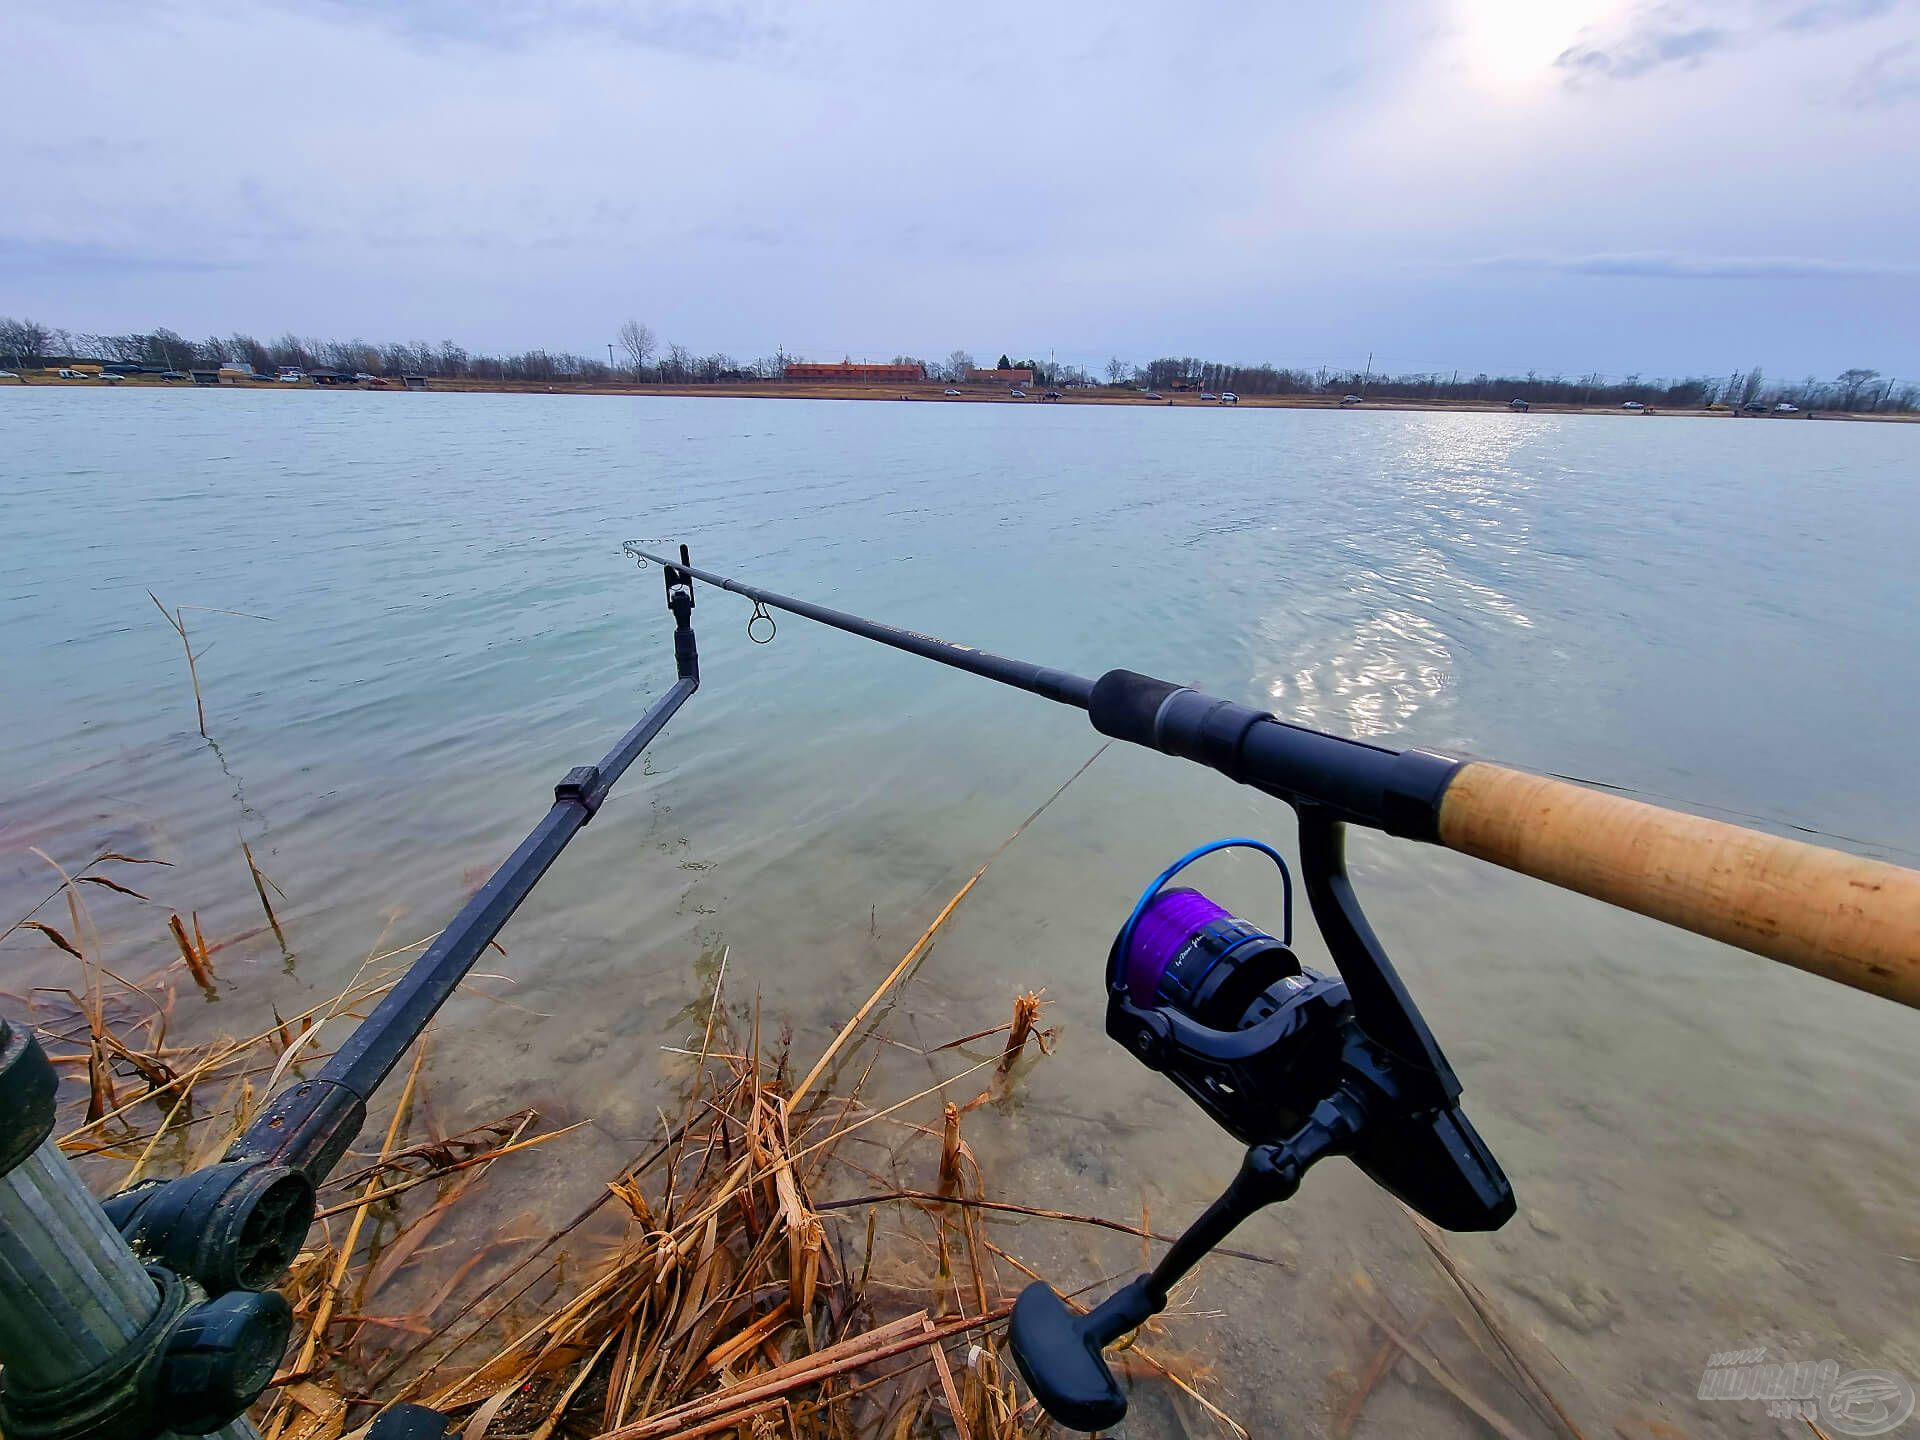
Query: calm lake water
x=1711, y=1152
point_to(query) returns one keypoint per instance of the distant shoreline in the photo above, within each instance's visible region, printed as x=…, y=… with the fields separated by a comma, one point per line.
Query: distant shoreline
x=934, y=391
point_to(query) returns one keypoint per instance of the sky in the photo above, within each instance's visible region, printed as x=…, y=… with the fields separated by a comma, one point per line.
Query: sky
x=1677, y=187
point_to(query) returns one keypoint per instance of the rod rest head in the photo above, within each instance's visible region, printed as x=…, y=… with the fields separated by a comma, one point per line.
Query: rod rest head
x=233, y=1226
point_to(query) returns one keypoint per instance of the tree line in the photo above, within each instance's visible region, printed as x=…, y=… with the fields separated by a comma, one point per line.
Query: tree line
x=1857, y=390
x=637, y=355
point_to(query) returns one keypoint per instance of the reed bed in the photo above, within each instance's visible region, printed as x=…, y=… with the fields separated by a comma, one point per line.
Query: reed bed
x=791, y=1253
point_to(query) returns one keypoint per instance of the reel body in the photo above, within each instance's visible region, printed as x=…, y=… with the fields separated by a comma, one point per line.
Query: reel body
x=1294, y=1064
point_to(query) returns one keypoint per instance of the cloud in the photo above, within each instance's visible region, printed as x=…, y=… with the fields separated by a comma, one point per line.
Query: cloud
x=1656, y=265
x=28, y=253
x=1645, y=50
x=1891, y=77
x=704, y=32
x=1825, y=14
x=1685, y=34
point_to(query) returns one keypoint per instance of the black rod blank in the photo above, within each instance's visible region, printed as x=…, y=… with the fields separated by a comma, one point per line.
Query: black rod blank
x=1060, y=685
x=1393, y=790
x=311, y=1125
x=373, y=1049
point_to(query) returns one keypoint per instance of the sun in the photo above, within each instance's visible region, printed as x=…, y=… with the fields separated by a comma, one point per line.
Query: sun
x=1511, y=45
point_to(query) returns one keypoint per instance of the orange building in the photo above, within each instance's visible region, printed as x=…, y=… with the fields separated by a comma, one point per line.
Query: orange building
x=859, y=374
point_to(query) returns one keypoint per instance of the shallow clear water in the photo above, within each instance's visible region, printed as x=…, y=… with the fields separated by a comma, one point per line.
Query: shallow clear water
x=1710, y=1151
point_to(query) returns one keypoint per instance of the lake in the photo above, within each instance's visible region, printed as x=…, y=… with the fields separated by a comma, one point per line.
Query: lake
x=1710, y=1151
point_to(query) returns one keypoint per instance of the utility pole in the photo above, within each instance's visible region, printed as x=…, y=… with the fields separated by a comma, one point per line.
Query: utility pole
x=609, y=355
x=1369, y=375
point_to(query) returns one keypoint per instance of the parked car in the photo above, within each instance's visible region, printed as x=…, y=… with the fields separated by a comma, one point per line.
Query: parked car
x=1019, y=394
x=1632, y=405
x=1785, y=409
x=1151, y=394
x=951, y=391
x=1208, y=395
x=73, y=375
x=1754, y=407
x=1351, y=400
x=173, y=374
x=1051, y=395
x=1227, y=397
x=290, y=376
x=8, y=375
x=1516, y=403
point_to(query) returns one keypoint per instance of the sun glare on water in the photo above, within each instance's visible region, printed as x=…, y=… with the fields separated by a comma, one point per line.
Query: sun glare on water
x=1510, y=45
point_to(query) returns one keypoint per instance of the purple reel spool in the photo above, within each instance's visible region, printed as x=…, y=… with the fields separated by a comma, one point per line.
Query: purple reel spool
x=1171, y=919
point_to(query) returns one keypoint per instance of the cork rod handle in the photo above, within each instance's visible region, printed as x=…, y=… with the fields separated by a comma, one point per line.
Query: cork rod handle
x=1850, y=919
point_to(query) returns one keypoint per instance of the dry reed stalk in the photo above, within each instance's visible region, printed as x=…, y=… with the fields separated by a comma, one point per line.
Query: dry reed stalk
x=193, y=952
x=1444, y=1377
x=1376, y=1371
x=193, y=669
x=260, y=882
x=1511, y=1342
x=176, y=618
x=1026, y=1009
x=950, y=1151
x=920, y=946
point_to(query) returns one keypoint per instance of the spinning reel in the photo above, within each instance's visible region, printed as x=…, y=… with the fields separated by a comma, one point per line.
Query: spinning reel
x=1294, y=1064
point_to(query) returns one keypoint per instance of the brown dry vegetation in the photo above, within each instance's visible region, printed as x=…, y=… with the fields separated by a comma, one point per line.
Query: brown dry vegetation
x=726, y=1280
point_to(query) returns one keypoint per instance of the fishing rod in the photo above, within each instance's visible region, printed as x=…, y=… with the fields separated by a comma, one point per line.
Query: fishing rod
x=1300, y=1066
x=1845, y=917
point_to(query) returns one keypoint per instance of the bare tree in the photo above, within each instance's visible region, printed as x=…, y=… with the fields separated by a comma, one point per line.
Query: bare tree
x=1118, y=371
x=637, y=340
x=679, y=363
x=22, y=341
x=958, y=364
x=1851, y=382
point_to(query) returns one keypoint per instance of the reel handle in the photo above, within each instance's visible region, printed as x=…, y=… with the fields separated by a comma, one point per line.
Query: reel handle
x=1059, y=1352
